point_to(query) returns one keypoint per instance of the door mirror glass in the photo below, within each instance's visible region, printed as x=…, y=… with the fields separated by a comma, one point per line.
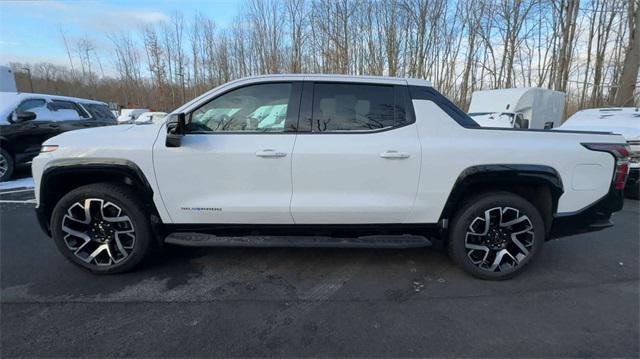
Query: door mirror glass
x=175, y=129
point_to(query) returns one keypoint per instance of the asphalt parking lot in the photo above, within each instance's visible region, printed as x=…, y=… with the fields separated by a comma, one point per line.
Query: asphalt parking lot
x=579, y=299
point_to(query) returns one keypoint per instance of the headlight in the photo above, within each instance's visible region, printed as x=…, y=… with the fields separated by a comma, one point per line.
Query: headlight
x=49, y=148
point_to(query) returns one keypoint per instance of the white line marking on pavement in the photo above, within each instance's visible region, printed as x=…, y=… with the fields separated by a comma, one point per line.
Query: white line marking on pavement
x=19, y=183
x=17, y=191
x=17, y=201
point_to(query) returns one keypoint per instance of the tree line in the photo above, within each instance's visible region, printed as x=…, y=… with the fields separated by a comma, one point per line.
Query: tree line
x=589, y=49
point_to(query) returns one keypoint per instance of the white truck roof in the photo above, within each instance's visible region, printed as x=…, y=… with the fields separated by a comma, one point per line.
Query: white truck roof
x=306, y=77
x=541, y=107
x=508, y=100
x=621, y=120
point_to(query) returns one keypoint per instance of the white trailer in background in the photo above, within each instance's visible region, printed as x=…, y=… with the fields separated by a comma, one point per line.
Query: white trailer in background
x=530, y=107
x=7, y=80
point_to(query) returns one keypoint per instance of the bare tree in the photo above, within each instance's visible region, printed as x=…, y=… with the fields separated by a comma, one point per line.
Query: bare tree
x=629, y=77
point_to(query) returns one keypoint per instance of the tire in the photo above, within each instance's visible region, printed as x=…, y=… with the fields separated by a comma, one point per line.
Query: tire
x=6, y=165
x=117, y=236
x=514, y=236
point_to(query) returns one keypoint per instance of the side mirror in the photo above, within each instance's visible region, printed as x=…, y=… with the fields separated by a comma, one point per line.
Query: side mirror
x=175, y=129
x=24, y=116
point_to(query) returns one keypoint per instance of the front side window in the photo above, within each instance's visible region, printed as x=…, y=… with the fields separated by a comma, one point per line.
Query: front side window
x=355, y=107
x=256, y=108
x=29, y=105
x=37, y=106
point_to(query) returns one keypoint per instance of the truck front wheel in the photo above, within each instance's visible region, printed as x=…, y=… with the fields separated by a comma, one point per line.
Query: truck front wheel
x=102, y=227
x=495, y=235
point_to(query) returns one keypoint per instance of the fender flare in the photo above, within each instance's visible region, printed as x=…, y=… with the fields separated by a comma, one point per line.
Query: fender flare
x=87, y=167
x=500, y=175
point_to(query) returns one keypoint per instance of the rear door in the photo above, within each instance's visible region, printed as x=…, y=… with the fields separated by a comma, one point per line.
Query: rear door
x=234, y=162
x=357, y=156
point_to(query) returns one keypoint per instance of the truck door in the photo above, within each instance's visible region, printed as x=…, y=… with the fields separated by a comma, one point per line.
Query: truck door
x=357, y=157
x=234, y=162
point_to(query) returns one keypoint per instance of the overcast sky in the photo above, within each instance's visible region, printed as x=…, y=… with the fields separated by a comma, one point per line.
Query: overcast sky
x=30, y=31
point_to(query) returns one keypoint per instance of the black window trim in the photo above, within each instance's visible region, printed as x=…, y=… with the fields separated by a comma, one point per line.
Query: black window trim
x=293, y=114
x=306, y=107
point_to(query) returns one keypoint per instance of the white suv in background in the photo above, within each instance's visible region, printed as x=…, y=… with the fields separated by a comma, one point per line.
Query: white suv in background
x=150, y=117
x=129, y=115
x=325, y=161
x=621, y=120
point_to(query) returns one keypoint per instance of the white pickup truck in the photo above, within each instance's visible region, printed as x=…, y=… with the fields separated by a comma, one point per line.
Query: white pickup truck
x=311, y=160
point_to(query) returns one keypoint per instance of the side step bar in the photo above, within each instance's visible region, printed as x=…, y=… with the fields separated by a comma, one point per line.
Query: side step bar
x=193, y=239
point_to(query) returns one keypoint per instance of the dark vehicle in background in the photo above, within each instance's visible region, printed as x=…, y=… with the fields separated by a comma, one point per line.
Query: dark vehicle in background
x=29, y=119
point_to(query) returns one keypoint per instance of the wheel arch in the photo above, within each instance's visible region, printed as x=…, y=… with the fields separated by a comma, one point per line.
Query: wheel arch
x=64, y=176
x=539, y=184
x=5, y=144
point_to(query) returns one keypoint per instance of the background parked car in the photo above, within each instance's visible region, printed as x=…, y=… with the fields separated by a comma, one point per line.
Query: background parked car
x=28, y=119
x=621, y=120
x=129, y=115
x=151, y=117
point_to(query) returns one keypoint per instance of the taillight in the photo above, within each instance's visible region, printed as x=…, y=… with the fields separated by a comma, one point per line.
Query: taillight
x=621, y=153
x=620, y=178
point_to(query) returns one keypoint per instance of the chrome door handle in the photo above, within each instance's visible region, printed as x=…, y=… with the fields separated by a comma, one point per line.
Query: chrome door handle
x=394, y=154
x=270, y=153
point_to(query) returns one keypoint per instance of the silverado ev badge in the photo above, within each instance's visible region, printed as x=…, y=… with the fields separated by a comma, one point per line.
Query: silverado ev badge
x=210, y=209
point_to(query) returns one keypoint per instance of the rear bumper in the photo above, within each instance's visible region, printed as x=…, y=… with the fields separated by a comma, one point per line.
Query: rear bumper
x=594, y=218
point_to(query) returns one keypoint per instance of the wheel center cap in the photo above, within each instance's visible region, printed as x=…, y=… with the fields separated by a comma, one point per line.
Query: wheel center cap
x=101, y=232
x=498, y=238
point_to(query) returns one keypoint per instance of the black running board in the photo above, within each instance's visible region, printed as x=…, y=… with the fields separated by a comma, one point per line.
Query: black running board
x=192, y=239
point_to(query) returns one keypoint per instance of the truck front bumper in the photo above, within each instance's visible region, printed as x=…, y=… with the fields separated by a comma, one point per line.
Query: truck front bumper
x=596, y=217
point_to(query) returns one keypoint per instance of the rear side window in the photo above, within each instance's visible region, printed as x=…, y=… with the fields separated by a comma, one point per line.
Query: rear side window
x=356, y=107
x=99, y=112
x=56, y=105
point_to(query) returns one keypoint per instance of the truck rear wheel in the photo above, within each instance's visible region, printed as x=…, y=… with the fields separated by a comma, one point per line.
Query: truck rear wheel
x=102, y=227
x=495, y=235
